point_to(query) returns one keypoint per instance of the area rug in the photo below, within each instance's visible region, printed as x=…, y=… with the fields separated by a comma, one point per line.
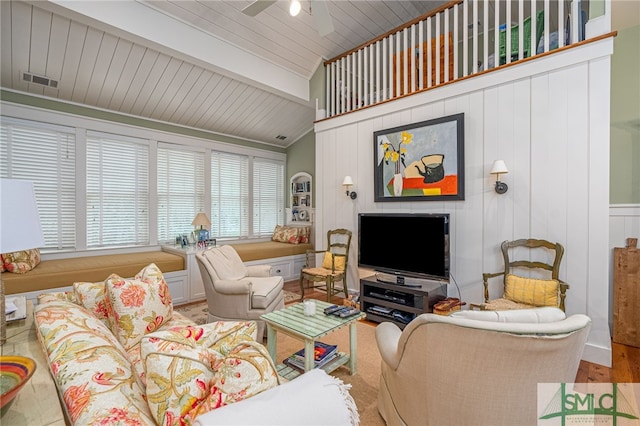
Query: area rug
x=364, y=384
x=198, y=311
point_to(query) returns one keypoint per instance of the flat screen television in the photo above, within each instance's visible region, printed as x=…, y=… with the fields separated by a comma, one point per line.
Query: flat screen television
x=405, y=244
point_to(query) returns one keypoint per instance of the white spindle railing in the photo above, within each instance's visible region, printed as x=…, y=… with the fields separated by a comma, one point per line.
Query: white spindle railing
x=437, y=48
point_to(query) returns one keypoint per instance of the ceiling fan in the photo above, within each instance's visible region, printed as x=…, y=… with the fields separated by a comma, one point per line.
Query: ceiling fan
x=318, y=9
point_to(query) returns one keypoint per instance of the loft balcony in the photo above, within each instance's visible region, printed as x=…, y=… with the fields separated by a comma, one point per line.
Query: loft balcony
x=459, y=40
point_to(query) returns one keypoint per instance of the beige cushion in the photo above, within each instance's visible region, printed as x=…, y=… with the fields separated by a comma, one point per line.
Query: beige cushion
x=531, y=291
x=269, y=249
x=226, y=262
x=265, y=291
x=64, y=272
x=535, y=315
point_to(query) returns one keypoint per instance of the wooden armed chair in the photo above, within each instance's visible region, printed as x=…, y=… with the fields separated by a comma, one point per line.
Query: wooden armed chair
x=334, y=264
x=533, y=288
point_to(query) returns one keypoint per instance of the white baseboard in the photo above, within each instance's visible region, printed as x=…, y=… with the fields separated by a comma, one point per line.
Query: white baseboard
x=597, y=354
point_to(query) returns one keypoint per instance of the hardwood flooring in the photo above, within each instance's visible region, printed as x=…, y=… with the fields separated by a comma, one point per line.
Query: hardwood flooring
x=625, y=359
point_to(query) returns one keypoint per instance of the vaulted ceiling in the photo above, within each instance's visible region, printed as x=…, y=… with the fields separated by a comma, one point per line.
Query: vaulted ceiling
x=202, y=64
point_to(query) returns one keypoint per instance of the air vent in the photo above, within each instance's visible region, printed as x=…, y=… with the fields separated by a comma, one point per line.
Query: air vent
x=39, y=79
x=281, y=137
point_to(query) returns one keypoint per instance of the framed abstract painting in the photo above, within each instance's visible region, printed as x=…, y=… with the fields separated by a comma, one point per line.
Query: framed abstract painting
x=421, y=161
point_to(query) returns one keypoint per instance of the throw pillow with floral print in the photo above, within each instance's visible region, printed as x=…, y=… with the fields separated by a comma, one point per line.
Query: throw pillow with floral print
x=20, y=262
x=137, y=306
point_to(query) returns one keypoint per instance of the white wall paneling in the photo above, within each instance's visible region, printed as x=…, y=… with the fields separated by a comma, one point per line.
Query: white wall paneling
x=549, y=120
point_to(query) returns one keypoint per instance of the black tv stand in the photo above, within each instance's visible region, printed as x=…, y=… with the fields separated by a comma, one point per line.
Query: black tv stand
x=399, y=303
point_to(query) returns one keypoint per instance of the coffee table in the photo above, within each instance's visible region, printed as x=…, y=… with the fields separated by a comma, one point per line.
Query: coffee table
x=293, y=322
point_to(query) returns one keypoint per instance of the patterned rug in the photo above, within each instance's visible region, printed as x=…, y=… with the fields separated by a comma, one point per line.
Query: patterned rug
x=198, y=311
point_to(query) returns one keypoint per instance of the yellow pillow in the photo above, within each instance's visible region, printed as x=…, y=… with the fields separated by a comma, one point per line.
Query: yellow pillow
x=338, y=262
x=536, y=292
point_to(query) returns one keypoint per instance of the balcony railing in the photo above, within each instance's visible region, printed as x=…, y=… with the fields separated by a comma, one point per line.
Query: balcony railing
x=459, y=39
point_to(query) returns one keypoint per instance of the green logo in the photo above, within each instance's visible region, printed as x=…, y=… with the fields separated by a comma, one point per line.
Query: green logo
x=602, y=403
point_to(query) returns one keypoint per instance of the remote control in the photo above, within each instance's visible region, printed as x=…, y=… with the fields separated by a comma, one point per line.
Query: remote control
x=331, y=309
x=349, y=312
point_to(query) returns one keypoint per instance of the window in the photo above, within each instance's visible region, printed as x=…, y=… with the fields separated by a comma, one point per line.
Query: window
x=117, y=191
x=180, y=190
x=268, y=196
x=229, y=195
x=44, y=154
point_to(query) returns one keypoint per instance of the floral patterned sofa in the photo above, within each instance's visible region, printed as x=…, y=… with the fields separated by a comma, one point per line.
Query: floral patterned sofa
x=120, y=355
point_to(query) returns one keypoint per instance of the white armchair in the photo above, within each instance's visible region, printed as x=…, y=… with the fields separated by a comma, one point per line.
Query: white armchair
x=482, y=371
x=238, y=292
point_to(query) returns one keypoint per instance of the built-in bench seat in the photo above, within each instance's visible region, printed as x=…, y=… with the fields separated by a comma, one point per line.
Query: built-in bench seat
x=285, y=259
x=269, y=249
x=51, y=275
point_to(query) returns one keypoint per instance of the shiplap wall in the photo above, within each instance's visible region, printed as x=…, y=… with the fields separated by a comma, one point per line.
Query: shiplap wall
x=549, y=120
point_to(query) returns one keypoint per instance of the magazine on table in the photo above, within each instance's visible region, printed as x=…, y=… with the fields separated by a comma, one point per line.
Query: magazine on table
x=322, y=354
x=298, y=364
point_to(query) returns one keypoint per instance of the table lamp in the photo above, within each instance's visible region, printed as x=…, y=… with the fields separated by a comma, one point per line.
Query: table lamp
x=19, y=228
x=201, y=220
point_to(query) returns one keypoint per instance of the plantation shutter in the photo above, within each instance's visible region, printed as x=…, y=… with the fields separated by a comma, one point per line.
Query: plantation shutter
x=268, y=196
x=229, y=195
x=117, y=191
x=44, y=154
x=180, y=191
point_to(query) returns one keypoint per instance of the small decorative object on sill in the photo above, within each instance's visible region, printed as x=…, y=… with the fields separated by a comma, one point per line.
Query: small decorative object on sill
x=447, y=306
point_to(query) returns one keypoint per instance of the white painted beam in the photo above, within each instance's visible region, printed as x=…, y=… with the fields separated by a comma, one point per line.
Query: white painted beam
x=186, y=42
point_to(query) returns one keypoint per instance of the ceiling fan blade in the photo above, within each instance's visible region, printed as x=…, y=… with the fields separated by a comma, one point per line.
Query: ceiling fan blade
x=321, y=17
x=257, y=6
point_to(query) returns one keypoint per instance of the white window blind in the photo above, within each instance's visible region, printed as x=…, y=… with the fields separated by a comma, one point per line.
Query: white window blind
x=268, y=196
x=180, y=191
x=45, y=155
x=117, y=191
x=229, y=195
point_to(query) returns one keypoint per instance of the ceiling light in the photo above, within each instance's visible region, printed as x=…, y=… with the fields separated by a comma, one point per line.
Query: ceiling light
x=295, y=7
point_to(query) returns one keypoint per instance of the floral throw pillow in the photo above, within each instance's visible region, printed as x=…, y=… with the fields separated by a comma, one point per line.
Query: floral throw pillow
x=20, y=262
x=304, y=234
x=138, y=306
x=286, y=234
x=194, y=369
x=92, y=297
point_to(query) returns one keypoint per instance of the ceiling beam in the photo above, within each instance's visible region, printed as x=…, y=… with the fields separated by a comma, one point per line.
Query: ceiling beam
x=157, y=30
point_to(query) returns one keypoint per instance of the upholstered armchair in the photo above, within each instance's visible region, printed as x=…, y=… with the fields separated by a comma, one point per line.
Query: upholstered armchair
x=235, y=291
x=482, y=370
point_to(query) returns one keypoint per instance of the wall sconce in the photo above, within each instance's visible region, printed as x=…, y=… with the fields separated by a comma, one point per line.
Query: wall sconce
x=294, y=8
x=499, y=168
x=347, y=182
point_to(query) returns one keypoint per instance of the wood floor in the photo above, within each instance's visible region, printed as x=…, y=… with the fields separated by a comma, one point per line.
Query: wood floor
x=625, y=359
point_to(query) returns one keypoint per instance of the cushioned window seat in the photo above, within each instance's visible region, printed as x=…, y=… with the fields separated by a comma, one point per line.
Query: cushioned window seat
x=269, y=249
x=54, y=274
x=286, y=259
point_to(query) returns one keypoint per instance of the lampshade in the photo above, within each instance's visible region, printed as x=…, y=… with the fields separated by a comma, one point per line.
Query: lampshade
x=201, y=219
x=19, y=217
x=499, y=167
x=347, y=181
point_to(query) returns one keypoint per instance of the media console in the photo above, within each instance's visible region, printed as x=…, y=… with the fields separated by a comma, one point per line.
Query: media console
x=386, y=301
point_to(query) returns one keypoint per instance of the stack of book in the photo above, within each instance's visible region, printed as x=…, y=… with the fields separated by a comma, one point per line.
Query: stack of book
x=323, y=353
